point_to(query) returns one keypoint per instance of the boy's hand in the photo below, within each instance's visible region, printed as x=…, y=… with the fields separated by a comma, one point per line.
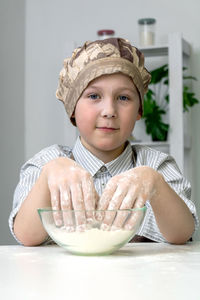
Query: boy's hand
x=127, y=190
x=71, y=187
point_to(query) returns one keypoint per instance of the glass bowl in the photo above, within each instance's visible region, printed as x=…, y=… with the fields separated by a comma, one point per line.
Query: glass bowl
x=92, y=232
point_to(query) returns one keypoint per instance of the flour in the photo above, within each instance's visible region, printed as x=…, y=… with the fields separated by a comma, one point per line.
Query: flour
x=91, y=241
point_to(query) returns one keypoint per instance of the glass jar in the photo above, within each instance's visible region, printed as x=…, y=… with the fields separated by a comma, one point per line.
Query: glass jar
x=105, y=34
x=146, y=32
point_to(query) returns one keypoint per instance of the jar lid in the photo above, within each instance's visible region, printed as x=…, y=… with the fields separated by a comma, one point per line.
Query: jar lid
x=147, y=21
x=105, y=32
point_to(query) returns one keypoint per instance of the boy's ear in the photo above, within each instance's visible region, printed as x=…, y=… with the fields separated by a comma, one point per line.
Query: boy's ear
x=139, y=117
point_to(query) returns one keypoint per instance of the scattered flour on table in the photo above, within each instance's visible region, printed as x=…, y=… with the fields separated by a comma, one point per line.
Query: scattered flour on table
x=89, y=241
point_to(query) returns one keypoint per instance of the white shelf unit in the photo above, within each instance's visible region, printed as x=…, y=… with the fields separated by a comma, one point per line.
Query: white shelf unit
x=176, y=50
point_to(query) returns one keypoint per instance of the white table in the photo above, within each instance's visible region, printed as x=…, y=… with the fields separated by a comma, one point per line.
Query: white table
x=137, y=271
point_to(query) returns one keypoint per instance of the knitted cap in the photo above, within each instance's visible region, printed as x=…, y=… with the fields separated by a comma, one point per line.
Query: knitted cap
x=98, y=58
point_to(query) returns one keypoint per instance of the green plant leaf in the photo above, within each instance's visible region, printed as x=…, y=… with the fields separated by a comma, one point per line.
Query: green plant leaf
x=158, y=74
x=158, y=130
x=152, y=112
x=166, y=81
x=167, y=98
x=190, y=77
x=188, y=99
x=152, y=115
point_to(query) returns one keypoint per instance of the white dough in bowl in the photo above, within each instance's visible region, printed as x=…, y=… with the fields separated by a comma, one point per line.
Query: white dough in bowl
x=93, y=240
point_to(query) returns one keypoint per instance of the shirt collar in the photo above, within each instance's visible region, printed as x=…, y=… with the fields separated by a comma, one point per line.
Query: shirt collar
x=92, y=164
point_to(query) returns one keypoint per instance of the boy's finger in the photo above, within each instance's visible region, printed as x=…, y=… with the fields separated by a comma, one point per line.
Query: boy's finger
x=134, y=221
x=104, y=201
x=124, y=214
x=113, y=206
x=89, y=196
x=78, y=205
x=126, y=204
x=66, y=206
x=107, y=196
x=140, y=201
x=55, y=203
x=120, y=219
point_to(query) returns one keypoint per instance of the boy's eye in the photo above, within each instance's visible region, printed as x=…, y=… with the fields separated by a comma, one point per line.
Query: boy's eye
x=123, y=98
x=94, y=96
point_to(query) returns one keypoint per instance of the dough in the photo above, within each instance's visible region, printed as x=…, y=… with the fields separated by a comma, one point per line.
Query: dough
x=91, y=241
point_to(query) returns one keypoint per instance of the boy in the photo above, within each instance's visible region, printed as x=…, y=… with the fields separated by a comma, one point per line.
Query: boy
x=102, y=87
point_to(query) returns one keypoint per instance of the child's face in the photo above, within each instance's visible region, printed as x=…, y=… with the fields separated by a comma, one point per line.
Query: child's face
x=106, y=113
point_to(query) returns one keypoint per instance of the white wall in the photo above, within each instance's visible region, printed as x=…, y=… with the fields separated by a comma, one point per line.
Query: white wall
x=52, y=25
x=12, y=16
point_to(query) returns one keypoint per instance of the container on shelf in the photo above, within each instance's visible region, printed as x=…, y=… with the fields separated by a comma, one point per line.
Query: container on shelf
x=146, y=32
x=105, y=33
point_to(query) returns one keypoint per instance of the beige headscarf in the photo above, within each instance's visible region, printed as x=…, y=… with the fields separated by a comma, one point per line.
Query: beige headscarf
x=98, y=58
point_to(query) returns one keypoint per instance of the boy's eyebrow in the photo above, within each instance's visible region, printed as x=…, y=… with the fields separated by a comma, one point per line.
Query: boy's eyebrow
x=133, y=90
x=128, y=89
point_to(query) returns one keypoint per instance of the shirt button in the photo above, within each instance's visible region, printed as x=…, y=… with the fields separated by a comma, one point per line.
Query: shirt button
x=103, y=169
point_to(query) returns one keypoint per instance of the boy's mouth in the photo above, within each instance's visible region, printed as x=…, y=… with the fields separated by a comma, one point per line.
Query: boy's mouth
x=107, y=129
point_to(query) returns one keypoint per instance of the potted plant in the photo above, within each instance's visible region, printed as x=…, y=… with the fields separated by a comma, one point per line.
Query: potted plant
x=156, y=102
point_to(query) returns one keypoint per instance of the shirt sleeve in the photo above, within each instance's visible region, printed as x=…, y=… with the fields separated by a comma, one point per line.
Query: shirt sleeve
x=29, y=174
x=166, y=165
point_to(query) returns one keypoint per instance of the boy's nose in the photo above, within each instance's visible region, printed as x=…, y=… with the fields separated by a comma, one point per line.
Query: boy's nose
x=109, y=110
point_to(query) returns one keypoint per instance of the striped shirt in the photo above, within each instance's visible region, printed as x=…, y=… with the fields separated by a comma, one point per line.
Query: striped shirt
x=132, y=156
